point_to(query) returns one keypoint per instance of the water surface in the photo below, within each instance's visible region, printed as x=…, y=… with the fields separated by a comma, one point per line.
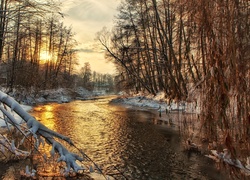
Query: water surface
x=128, y=138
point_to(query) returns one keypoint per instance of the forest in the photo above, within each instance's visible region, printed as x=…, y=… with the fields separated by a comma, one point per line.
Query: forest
x=192, y=50
x=37, y=50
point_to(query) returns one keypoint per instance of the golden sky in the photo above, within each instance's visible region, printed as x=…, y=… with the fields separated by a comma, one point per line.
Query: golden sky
x=87, y=17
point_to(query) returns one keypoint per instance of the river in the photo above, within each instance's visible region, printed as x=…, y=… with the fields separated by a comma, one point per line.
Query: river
x=128, y=138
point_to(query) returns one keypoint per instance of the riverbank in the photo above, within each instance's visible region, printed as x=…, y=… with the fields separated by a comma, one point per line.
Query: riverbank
x=59, y=95
x=158, y=102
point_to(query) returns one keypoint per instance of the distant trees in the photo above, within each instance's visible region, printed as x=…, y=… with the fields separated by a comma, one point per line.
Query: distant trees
x=94, y=81
x=36, y=49
x=103, y=82
x=85, y=77
x=184, y=48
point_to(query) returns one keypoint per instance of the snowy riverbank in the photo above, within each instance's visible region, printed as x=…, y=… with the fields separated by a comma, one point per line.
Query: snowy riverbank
x=28, y=99
x=157, y=102
x=63, y=95
x=60, y=95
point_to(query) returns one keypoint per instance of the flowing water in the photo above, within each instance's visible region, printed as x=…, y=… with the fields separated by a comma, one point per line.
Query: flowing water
x=126, y=137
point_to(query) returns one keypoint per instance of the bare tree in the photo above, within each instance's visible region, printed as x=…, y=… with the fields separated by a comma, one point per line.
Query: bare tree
x=85, y=75
x=29, y=33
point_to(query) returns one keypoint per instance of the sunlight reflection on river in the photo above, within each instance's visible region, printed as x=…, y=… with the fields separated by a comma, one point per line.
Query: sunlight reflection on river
x=124, y=137
x=46, y=115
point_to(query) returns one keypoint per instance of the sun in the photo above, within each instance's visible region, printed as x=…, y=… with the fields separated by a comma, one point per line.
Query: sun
x=44, y=56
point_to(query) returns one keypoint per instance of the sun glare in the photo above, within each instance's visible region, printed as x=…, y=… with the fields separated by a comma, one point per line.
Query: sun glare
x=44, y=56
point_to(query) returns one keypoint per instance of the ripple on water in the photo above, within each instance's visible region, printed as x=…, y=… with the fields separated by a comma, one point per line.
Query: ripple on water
x=125, y=138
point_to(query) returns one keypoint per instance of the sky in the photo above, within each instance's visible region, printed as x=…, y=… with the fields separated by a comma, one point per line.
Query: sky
x=87, y=17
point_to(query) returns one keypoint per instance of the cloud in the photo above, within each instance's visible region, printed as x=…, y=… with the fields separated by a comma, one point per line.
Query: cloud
x=87, y=17
x=91, y=10
x=91, y=47
x=90, y=50
x=85, y=50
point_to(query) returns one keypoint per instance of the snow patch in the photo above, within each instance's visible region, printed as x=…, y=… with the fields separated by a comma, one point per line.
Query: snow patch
x=158, y=102
x=60, y=95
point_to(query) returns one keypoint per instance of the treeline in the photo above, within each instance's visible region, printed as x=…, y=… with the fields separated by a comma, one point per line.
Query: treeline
x=184, y=48
x=36, y=48
x=94, y=81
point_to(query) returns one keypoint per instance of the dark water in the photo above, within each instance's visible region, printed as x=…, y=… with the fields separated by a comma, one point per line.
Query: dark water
x=127, y=138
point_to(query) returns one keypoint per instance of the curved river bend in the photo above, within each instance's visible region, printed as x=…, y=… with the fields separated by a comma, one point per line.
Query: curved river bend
x=127, y=138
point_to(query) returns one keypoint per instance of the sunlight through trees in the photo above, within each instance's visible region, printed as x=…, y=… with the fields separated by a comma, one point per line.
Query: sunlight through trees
x=36, y=48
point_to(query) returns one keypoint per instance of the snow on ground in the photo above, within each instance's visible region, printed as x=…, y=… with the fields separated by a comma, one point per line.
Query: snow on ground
x=157, y=102
x=60, y=95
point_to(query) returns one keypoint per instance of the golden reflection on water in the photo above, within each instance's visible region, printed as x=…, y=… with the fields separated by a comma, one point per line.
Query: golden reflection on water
x=88, y=125
x=113, y=136
x=46, y=114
